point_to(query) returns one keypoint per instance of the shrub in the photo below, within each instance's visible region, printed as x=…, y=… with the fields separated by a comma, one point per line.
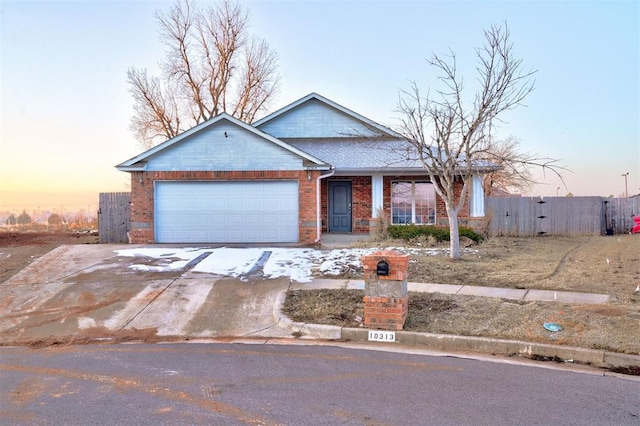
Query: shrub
x=470, y=233
x=409, y=232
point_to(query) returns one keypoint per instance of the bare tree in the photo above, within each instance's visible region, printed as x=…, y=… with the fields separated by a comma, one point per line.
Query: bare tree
x=514, y=175
x=452, y=137
x=212, y=65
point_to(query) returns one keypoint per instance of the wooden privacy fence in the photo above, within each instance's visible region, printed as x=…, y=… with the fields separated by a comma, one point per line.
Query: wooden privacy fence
x=620, y=212
x=529, y=216
x=114, y=217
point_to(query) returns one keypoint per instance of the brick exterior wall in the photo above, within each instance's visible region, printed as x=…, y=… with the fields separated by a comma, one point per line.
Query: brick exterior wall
x=361, y=207
x=142, y=197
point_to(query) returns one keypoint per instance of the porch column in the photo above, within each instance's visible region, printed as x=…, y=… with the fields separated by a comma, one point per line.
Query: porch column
x=376, y=195
x=477, y=197
x=376, y=205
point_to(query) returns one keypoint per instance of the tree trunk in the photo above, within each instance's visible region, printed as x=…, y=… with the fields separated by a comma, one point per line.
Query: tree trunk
x=454, y=234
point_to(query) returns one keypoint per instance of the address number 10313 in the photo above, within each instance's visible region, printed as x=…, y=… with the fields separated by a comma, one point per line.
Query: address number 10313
x=382, y=336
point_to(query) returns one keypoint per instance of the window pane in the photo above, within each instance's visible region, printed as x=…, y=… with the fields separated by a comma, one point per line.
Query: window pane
x=401, y=202
x=425, y=203
x=412, y=202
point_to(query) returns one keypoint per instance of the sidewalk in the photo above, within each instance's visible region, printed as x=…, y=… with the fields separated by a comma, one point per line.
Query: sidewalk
x=468, y=290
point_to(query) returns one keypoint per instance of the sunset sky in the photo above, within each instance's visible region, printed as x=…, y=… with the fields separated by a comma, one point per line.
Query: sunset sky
x=65, y=107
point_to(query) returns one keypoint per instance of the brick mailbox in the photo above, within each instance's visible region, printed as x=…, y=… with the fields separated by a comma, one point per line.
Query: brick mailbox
x=385, y=288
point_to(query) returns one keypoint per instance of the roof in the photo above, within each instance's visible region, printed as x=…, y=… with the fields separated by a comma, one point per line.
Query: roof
x=370, y=154
x=138, y=162
x=385, y=130
x=390, y=153
x=360, y=154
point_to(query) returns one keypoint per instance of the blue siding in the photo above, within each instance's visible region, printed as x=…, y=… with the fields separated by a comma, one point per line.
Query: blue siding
x=209, y=149
x=315, y=119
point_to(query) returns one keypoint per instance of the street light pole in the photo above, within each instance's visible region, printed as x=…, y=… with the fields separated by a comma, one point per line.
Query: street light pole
x=626, y=192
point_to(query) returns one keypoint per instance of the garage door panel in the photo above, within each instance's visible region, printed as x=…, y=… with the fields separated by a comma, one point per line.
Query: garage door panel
x=271, y=234
x=256, y=211
x=271, y=219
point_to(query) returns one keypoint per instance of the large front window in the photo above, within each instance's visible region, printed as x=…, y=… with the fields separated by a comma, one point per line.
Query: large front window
x=413, y=202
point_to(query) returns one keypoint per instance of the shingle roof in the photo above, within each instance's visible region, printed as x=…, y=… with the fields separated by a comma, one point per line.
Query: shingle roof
x=369, y=154
x=359, y=154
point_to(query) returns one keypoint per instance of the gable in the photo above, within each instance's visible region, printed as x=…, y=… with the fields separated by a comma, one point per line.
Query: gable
x=224, y=146
x=222, y=143
x=317, y=117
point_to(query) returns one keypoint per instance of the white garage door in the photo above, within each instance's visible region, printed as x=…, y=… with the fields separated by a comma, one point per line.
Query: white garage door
x=226, y=212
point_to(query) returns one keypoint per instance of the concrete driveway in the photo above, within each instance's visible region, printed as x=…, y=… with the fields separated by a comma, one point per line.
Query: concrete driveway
x=89, y=287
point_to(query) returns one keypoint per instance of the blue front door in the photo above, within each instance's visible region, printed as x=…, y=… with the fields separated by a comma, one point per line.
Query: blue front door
x=339, y=206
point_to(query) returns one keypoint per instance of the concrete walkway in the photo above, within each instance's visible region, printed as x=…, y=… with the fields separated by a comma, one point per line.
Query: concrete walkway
x=468, y=290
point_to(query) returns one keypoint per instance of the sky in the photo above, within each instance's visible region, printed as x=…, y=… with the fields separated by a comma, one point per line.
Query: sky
x=65, y=108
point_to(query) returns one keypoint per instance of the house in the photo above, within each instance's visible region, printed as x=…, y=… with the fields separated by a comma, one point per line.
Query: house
x=309, y=168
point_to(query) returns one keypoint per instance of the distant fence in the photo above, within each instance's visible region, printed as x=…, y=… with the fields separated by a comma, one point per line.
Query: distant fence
x=529, y=216
x=114, y=217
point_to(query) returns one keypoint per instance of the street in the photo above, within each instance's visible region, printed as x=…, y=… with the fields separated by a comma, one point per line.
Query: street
x=269, y=384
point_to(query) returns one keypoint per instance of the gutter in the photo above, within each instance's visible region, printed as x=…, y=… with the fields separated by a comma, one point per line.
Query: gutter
x=318, y=207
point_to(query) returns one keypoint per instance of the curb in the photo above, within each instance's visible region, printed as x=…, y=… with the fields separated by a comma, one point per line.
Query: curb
x=454, y=343
x=446, y=342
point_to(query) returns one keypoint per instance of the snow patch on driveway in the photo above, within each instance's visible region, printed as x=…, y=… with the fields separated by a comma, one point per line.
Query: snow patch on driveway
x=166, y=259
x=232, y=262
x=299, y=264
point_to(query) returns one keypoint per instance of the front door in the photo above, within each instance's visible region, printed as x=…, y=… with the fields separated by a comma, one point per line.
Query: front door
x=339, y=206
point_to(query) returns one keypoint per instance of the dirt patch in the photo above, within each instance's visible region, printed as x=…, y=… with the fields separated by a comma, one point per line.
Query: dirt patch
x=19, y=249
x=632, y=370
x=608, y=265
x=96, y=335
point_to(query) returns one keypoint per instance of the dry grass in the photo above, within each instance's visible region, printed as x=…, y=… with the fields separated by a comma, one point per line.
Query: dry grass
x=554, y=263
x=571, y=264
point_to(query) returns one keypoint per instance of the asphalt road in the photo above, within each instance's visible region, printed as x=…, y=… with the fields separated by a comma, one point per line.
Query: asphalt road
x=229, y=384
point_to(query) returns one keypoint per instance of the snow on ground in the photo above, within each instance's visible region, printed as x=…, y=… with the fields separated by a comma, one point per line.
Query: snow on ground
x=300, y=264
x=231, y=262
x=167, y=259
x=292, y=262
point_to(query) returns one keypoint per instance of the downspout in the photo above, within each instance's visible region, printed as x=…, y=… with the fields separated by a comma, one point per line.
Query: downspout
x=318, y=206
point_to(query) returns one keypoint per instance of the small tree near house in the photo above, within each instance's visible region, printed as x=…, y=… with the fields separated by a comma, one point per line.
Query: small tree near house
x=453, y=139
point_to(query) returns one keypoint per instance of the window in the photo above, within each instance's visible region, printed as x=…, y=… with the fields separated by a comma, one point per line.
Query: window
x=413, y=202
